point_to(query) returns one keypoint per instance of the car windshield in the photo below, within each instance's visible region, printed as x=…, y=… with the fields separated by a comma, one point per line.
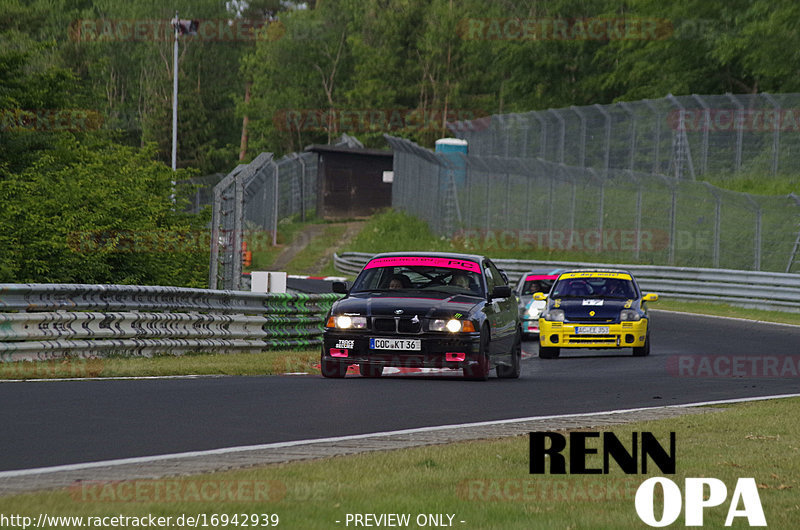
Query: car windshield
x=594, y=287
x=537, y=284
x=419, y=277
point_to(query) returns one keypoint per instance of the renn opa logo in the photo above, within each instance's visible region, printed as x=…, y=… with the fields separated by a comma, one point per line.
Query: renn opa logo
x=548, y=446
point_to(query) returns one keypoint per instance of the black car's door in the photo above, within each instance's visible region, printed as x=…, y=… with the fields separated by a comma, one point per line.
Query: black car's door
x=502, y=313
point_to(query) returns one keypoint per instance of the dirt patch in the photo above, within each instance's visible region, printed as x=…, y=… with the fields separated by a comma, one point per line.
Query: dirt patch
x=352, y=230
x=306, y=236
x=299, y=242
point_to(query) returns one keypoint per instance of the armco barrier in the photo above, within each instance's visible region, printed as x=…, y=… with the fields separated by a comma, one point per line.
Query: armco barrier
x=46, y=321
x=752, y=289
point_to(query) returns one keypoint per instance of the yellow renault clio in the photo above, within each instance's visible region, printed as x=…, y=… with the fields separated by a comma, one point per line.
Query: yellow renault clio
x=598, y=308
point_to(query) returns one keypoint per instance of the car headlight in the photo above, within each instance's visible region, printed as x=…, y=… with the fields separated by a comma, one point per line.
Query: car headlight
x=554, y=315
x=629, y=314
x=452, y=325
x=347, y=322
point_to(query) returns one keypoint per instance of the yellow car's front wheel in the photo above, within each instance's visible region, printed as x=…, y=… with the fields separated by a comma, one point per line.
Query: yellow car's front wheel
x=643, y=351
x=548, y=352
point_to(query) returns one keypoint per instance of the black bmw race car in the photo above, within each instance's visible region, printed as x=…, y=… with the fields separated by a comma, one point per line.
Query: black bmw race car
x=427, y=310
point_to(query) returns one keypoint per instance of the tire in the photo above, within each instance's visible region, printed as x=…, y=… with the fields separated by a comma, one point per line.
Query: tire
x=643, y=351
x=512, y=372
x=332, y=368
x=370, y=370
x=480, y=372
x=549, y=352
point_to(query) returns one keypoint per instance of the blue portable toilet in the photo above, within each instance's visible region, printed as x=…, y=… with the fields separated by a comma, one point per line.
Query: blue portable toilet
x=452, y=149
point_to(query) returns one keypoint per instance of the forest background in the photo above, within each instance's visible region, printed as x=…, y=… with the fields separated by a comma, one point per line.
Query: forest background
x=86, y=98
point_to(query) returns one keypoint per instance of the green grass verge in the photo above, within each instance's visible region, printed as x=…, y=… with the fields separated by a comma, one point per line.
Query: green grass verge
x=756, y=184
x=726, y=310
x=268, y=363
x=484, y=483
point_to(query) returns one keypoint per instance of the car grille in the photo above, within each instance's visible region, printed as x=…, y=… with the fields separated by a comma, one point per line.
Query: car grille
x=397, y=324
x=610, y=340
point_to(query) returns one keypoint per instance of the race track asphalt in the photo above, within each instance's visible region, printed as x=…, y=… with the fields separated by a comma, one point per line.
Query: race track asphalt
x=64, y=422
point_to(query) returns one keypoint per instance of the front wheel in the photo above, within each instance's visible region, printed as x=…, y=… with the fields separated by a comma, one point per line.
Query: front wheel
x=332, y=368
x=370, y=370
x=643, y=351
x=480, y=371
x=549, y=352
x=513, y=371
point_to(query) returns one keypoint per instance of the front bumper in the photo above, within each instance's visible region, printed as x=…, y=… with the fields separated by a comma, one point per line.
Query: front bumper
x=620, y=335
x=352, y=348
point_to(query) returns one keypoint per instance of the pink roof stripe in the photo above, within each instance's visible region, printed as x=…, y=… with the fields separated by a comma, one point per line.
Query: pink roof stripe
x=424, y=261
x=531, y=277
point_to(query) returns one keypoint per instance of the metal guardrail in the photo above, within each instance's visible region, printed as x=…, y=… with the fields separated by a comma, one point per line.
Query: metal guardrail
x=751, y=289
x=46, y=321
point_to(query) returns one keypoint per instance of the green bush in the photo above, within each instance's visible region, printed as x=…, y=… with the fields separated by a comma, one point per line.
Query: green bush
x=98, y=212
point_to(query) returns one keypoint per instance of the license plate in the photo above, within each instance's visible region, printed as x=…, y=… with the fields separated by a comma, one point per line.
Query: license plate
x=395, y=344
x=591, y=330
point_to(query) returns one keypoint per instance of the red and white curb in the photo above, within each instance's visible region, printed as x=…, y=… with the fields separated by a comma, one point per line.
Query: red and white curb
x=328, y=278
x=391, y=370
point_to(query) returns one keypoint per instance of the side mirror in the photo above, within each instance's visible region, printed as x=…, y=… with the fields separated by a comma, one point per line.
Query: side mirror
x=339, y=287
x=650, y=297
x=539, y=296
x=501, y=291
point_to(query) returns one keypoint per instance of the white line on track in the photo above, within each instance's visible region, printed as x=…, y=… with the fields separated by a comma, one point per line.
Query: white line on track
x=118, y=378
x=246, y=448
x=751, y=321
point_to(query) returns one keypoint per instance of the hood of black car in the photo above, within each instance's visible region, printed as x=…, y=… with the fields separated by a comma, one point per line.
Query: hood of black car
x=424, y=305
x=581, y=309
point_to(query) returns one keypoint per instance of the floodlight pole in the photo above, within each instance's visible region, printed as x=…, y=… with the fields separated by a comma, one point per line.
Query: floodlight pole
x=175, y=96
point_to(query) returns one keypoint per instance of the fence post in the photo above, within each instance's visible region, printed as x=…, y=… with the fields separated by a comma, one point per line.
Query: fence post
x=793, y=253
x=607, y=149
x=680, y=142
x=573, y=205
x=757, y=238
x=673, y=211
x=542, y=135
x=302, y=188
x=238, y=225
x=562, y=137
x=657, y=139
x=275, y=176
x=706, y=127
x=582, y=139
x=213, y=269
x=717, y=223
x=632, y=144
x=638, y=218
x=776, y=132
x=739, y=133
x=601, y=206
